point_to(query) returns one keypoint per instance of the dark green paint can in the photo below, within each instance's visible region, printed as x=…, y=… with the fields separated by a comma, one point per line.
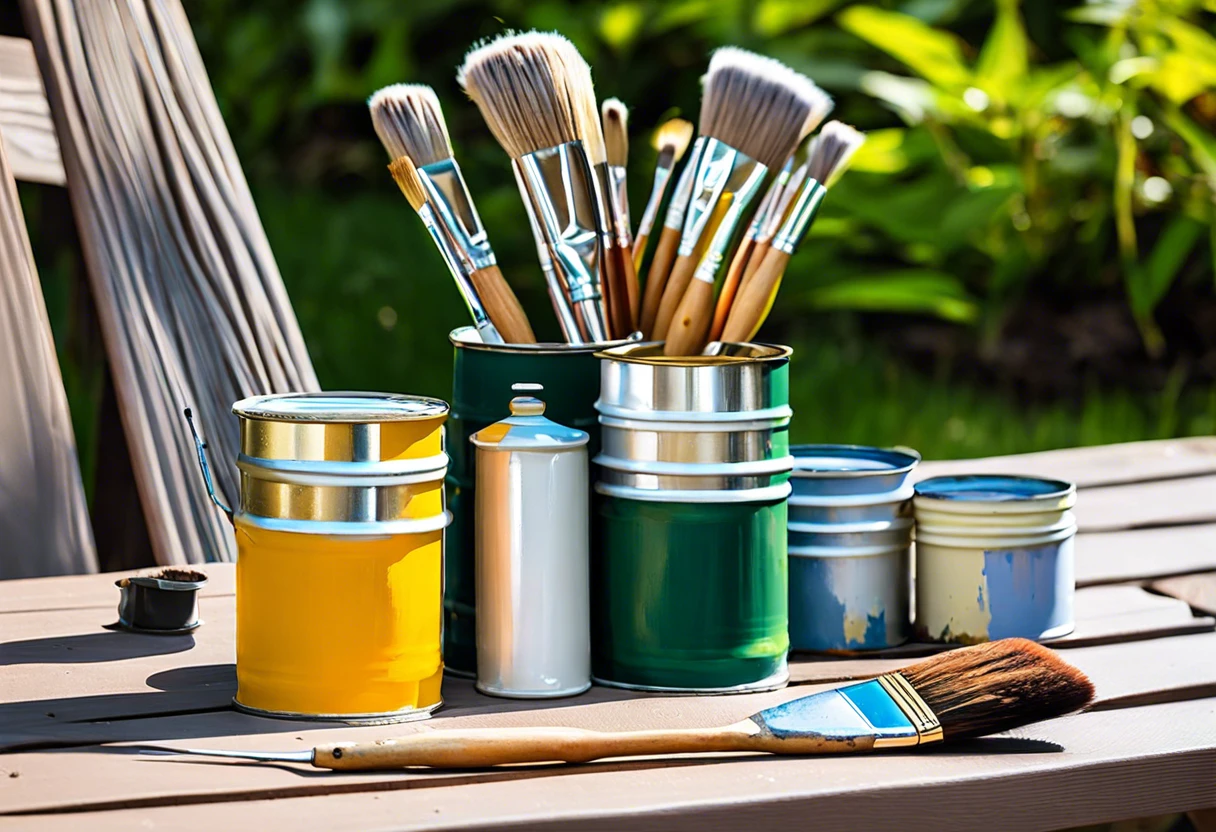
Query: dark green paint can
x=481, y=390
x=690, y=597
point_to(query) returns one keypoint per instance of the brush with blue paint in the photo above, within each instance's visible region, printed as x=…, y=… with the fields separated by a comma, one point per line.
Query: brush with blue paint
x=969, y=692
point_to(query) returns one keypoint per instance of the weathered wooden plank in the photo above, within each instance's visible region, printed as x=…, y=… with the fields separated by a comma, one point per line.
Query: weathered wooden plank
x=1199, y=591
x=73, y=592
x=1100, y=465
x=25, y=117
x=1166, y=503
x=1030, y=783
x=1141, y=554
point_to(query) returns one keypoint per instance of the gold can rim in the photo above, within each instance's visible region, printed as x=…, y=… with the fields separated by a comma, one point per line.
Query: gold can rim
x=341, y=407
x=651, y=352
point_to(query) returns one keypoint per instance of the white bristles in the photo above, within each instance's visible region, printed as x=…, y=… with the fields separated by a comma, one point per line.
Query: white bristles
x=673, y=137
x=409, y=122
x=581, y=91
x=616, y=132
x=758, y=105
x=832, y=150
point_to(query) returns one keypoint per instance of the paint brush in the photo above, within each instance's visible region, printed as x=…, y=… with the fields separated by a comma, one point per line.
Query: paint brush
x=616, y=142
x=521, y=85
x=410, y=123
x=670, y=140
x=964, y=693
x=830, y=153
x=669, y=243
x=753, y=113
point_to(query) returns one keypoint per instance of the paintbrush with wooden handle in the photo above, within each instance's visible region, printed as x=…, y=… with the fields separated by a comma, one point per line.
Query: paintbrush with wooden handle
x=409, y=122
x=616, y=141
x=753, y=113
x=830, y=154
x=670, y=140
x=669, y=242
x=964, y=693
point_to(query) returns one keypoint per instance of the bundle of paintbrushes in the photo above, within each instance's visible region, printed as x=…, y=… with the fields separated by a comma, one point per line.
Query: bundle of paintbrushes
x=745, y=199
x=965, y=693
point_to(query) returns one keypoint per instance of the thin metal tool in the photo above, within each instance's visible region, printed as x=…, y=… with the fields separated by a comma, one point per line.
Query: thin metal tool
x=262, y=756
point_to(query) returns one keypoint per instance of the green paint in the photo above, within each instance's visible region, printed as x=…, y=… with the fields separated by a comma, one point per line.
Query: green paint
x=688, y=595
x=481, y=392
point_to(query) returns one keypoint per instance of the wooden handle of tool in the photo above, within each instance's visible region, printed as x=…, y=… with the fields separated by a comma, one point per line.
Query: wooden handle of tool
x=686, y=335
x=755, y=298
x=633, y=292
x=730, y=287
x=481, y=747
x=639, y=251
x=656, y=278
x=502, y=306
x=673, y=293
x=618, y=293
x=754, y=258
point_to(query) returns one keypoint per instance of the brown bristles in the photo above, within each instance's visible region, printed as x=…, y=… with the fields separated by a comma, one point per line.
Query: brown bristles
x=520, y=85
x=757, y=105
x=406, y=176
x=672, y=139
x=616, y=133
x=832, y=150
x=998, y=686
x=409, y=122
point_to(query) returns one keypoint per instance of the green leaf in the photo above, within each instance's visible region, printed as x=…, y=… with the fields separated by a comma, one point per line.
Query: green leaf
x=1201, y=143
x=883, y=152
x=620, y=24
x=923, y=291
x=1148, y=284
x=776, y=17
x=935, y=55
x=1005, y=57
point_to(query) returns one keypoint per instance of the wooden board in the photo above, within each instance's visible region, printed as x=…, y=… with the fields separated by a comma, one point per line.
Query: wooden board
x=1131, y=462
x=1141, y=554
x=1030, y=783
x=1199, y=591
x=82, y=591
x=1166, y=503
x=25, y=117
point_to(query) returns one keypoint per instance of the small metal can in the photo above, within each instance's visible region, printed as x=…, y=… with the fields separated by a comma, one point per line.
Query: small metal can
x=531, y=544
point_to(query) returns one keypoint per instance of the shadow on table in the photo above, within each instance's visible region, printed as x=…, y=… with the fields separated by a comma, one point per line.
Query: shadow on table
x=89, y=648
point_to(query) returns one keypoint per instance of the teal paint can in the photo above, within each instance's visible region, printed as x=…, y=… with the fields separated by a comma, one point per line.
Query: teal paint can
x=690, y=576
x=481, y=391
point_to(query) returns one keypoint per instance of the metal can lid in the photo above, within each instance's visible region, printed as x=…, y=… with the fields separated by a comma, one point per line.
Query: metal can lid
x=340, y=407
x=527, y=429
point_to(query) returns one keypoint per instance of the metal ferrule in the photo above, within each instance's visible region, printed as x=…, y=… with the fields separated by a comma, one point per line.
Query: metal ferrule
x=449, y=196
x=661, y=177
x=886, y=710
x=721, y=172
x=683, y=193
x=744, y=183
x=561, y=193
x=801, y=215
x=618, y=196
x=461, y=267
x=557, y=294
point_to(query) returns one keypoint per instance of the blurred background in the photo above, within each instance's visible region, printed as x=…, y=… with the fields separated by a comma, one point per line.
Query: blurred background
x=1021, y=257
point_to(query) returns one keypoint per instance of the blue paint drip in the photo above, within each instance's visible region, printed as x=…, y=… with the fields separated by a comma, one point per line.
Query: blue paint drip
x=1030, y=590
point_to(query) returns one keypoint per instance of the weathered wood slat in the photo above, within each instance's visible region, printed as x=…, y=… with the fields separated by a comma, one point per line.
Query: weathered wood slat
x=1100, y=465
x=26, y=129
x=1199, y=591
x=1166, y=503
x=71, y=592
x=1141, y=554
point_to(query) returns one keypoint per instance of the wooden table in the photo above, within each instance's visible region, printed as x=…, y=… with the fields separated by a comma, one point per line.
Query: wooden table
x=74, y=696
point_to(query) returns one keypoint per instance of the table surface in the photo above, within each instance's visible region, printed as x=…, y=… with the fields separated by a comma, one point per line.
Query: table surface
x=75, y=696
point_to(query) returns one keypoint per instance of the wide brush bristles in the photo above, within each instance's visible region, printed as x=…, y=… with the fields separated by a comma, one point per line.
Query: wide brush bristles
x=409, y=122
x=616, y=135
x=757, y=105
x=581, y=91
x=832, y=150
x=998, y=686
x=520, y=84
x=406, y=176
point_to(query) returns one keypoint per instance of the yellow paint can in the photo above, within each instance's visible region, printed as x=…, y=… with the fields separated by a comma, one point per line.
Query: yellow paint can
x=339, y=536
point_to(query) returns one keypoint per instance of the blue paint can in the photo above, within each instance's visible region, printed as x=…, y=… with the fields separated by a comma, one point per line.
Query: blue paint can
x=994, y=558
x=850, y=540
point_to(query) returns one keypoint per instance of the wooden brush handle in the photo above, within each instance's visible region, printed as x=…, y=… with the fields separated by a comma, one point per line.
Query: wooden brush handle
x=686, y=335
x=632, y=290
x=673, y=293
x=502, y=306
x=754, y=258
x=730, y=287
x=621, y=323
x=656, y=278
x=639, y=251
x=754, y=299
x=481, y=747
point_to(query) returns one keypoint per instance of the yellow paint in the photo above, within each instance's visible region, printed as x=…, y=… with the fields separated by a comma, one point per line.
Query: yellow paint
x=338, y=625
x=855, y=628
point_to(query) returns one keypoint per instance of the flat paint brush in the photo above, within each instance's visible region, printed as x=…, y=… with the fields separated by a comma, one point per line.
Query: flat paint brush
x=407, y=179
x=753, y=114
x=410, y=123
x=960, y=694
x=830, y=154
x=669, y=243
x=522, y=86
x=616, y=142
x=670, y=140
